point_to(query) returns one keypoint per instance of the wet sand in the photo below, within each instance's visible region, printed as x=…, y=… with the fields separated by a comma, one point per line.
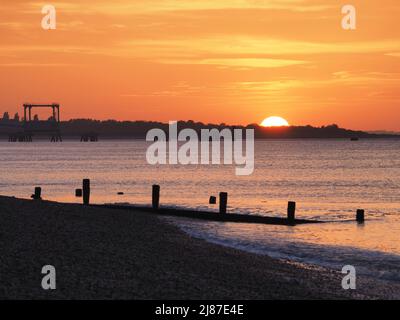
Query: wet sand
x=102, y=253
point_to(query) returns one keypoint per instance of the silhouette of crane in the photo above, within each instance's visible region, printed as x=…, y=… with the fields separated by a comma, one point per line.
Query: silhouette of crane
x=51, y=126
x=34, y=126
x=55, y=107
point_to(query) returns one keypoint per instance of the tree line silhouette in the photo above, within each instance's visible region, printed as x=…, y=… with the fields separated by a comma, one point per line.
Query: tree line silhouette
x=139, y=129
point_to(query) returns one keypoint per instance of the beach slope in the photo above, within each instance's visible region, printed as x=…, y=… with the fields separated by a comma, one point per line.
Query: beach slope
x=103, y=253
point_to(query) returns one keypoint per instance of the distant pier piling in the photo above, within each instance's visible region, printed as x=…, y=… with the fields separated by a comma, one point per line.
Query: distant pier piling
x=291, y=211
x=223, y=202
x=360, y=216
x=19, y=137
x=156, y=196
x=38, y=194
x=56, y=138
x=86, y=191
x=89, y=137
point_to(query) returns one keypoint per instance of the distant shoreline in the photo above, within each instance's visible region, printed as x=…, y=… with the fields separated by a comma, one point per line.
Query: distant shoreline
x=114, y=254
x=112, y=129
x=4, y=138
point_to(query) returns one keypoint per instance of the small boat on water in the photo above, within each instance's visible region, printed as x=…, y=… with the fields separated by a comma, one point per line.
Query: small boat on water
x=354, y=139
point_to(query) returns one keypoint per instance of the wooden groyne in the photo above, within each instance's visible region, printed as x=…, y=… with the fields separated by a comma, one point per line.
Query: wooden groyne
x=212, y=216
x=222, y=215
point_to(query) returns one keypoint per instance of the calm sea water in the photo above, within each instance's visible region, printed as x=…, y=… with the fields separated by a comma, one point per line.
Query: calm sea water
x=329, y=180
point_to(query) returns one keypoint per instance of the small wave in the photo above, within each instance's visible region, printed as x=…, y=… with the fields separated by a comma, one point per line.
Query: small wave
x=369, y=263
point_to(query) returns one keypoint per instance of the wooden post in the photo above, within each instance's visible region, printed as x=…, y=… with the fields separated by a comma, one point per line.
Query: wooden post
x=86, y=191
x=291, y=211
x=360, y=216
x=213, y=200
x=38, y=194
x=223, y=202
x=78, y=193
x=156, y=197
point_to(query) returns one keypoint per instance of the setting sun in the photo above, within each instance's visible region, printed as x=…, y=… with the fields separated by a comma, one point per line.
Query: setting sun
x=274, y=122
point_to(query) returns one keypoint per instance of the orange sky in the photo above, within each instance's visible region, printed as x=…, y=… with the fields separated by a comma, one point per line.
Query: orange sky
x=233, y=61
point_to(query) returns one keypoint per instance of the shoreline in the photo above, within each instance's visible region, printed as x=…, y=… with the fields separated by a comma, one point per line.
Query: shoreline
x=76, y=138
x=102, y=253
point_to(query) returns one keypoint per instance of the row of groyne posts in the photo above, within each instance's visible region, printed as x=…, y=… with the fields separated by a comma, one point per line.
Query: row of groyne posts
x=84, y=193
x=223, y=205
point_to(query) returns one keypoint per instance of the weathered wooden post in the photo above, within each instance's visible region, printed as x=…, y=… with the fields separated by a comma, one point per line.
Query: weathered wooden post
x=156, y=196
x=86, y=191
x=38, y=194
x=213, y=200
x=291, y=211
x=223, y=201
x=360, y=216
x=78, y=193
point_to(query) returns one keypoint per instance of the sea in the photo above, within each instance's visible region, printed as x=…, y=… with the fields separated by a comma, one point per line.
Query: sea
x=329, y=179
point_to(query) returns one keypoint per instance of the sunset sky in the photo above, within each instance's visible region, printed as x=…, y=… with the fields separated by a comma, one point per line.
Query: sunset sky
x=214, y=61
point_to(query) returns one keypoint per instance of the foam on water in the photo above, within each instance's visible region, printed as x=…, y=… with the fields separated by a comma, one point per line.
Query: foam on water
x=275, y=242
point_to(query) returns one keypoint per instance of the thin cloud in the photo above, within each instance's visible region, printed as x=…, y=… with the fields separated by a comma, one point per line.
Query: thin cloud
x=238, y=62
x=157, y=6
x=32, y=64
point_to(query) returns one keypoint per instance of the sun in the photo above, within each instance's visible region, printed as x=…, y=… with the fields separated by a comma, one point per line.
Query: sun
x=274, y=122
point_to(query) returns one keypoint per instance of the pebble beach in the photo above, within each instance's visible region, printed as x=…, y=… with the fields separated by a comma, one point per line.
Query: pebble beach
x=101, y=253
